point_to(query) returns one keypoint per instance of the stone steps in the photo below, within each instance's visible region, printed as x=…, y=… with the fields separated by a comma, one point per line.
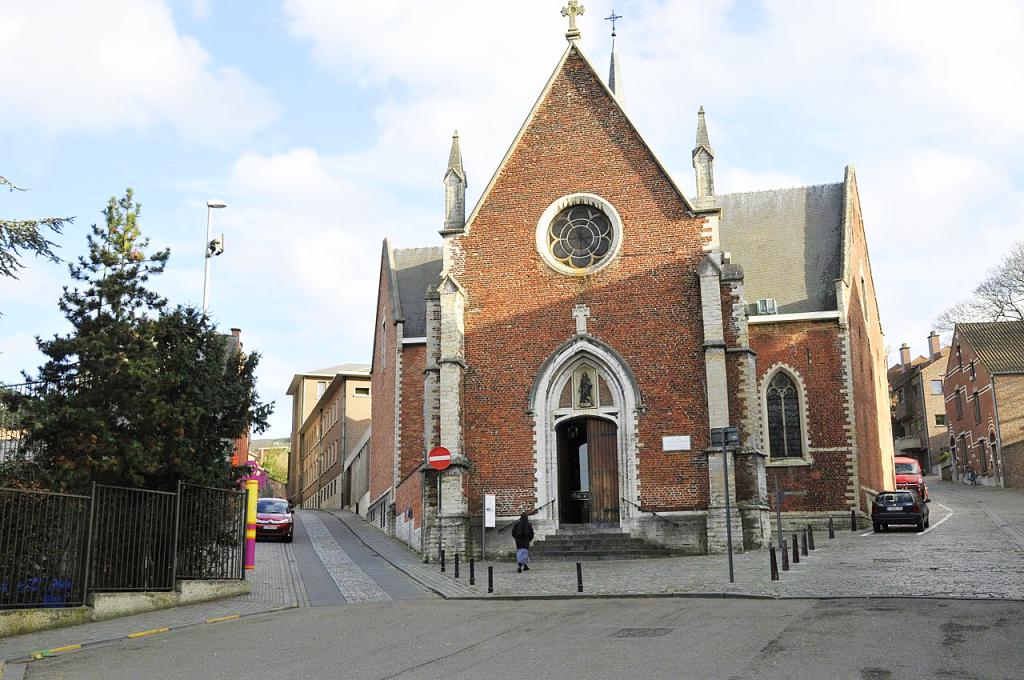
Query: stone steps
x=596, y=543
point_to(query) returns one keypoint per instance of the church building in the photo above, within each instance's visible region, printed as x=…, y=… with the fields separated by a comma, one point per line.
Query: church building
x=575, y=341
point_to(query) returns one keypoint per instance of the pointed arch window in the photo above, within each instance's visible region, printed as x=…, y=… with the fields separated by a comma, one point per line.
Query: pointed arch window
x=785, y=439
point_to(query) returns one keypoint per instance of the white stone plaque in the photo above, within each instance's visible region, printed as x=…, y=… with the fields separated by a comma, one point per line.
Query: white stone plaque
x=676, y=443
x=489, y=512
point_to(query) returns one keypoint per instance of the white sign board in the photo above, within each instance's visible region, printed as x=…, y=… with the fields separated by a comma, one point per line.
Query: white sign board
x=676, y=443
x=489, y=511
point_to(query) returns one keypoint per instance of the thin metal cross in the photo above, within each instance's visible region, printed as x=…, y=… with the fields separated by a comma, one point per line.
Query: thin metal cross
x=572, y=10
x=613, y=18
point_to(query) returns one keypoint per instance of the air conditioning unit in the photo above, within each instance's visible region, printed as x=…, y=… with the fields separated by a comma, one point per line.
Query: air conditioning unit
x=767, y=306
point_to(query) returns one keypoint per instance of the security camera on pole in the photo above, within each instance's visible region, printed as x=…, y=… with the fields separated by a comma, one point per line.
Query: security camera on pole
x=214, y=247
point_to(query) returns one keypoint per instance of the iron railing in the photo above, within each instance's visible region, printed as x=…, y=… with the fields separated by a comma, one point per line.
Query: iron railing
x=12, y=435
x=132, y=539
x=44, y=543
x=211, y=533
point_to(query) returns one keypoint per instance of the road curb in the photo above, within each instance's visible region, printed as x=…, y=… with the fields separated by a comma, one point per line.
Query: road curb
x=12, y=665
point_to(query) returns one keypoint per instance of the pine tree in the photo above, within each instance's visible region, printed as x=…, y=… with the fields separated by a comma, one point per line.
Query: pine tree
x=138, y=394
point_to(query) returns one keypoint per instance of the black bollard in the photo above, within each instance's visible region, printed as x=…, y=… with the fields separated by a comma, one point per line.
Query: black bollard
x=774, y=563
x=785, y=556
x=456, y=565
x=853, y=519
x=442, y=561
x=796, y=551
x=490, y=579
x=831, y=529
x=810, y=537
x=579, y=577
x=803, y=542
x=472, y=573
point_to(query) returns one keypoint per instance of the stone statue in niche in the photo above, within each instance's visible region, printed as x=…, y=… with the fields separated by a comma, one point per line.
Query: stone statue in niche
x=586, y=399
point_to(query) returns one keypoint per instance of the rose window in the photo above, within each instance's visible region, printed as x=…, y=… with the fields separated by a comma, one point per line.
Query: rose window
x=580, y=236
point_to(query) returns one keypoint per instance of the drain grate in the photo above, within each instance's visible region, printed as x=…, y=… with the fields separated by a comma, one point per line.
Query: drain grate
x=641, y=632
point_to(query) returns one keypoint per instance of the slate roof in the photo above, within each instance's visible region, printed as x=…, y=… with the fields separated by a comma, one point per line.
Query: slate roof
x=340, y=368
x=789, y=242
x=999, y=344
x=415, y=270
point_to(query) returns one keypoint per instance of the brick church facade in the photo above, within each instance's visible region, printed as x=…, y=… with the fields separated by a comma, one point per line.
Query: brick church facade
x=574, y=341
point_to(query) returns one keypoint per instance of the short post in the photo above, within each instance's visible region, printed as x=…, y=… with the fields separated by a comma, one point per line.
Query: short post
x=810, y=537
x=472, y=573
x=774, y=563
x=442, y=561
x=579, y=577
x=490, y=579
x=803, y=542
x=796, y=551
x=785, y=555
x=831, y=529
x=456, y=565
x=252, y=488
x=853, y=519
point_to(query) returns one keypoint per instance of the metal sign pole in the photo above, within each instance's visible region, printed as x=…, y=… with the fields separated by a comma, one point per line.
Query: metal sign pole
x=483, y=531
x=440, y=535
x=728, y=510
x=779, y=496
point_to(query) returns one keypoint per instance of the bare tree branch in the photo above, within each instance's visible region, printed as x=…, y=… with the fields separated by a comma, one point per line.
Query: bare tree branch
x=1000, y=297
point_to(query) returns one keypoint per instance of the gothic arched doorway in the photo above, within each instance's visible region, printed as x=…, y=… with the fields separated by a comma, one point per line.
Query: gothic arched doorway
x=588, y=471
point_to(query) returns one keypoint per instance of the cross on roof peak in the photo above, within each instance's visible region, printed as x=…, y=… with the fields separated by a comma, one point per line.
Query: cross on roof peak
x=573, y=10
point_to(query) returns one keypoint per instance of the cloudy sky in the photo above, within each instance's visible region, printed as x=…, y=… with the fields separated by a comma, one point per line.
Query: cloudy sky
x=325, y=126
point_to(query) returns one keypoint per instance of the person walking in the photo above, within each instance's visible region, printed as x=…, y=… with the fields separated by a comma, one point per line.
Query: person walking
x=522, y=532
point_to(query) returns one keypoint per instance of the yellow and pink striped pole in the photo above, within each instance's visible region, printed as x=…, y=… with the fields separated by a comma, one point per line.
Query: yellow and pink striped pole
x=252, y=487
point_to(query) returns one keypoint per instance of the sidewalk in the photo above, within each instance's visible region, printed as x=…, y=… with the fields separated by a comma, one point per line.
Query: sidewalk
x=275, y=586
x=975, y=550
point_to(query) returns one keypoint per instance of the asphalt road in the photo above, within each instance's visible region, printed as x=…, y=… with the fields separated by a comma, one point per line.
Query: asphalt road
x=602, y=639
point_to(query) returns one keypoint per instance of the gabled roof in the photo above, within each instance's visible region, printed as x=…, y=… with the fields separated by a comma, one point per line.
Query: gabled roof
x=789, y=242
x=999, y=344
x=416, y=269
x=573, y=48
x=897, y=376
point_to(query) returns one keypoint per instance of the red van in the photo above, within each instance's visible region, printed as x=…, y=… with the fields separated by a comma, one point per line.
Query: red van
x=909, y=476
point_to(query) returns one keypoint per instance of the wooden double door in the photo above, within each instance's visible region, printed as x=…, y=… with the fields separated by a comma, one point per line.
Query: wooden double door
x=588, y=471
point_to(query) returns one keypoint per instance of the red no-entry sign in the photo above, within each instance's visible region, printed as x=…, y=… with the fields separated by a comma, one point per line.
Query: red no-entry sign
x=439, y=458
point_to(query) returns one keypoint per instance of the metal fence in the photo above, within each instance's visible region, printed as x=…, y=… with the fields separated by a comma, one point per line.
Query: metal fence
x=211, y=533
x=57, y=548
x=12, y=444
x=132, y=539
x=44, y=539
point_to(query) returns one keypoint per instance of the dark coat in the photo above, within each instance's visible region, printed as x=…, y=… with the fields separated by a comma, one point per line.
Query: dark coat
x=522, y=532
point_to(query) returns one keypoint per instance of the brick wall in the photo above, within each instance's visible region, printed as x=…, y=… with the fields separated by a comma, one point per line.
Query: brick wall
x=1010, y=397
x=867, y=362
x=967, y=429
x=812, y=350
x=382, y=392
x=646, y=304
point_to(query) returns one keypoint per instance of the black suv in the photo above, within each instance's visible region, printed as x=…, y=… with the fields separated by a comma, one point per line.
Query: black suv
x=898, y=507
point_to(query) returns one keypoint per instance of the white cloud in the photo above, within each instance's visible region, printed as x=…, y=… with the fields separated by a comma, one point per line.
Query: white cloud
x=97, y=67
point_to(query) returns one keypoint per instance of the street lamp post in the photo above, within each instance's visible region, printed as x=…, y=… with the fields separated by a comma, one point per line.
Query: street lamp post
x=210, y=248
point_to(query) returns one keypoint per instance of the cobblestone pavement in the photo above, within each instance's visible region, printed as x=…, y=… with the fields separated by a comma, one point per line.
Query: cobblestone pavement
x=274, y=586
x=974, y=549
x=352, y=582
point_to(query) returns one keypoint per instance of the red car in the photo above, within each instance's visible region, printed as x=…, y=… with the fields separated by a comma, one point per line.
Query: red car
x=274, y=519
x=909, y=476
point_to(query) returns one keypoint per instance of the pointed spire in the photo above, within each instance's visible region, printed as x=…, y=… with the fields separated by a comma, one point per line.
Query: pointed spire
x=703, y=159
x=455, y=157
x=614, y=68
x=455, y=189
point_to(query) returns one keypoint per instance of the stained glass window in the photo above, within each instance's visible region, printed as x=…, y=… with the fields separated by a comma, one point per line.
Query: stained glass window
x=580, y=236
x=784, y=436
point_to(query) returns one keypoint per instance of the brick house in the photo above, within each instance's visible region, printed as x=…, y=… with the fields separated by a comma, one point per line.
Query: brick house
x=984, y=394
x=589, y=324
x=918, y=405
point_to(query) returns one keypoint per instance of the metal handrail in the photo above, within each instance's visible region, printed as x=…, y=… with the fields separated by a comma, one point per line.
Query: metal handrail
x=533, y=512
x=643, y=509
